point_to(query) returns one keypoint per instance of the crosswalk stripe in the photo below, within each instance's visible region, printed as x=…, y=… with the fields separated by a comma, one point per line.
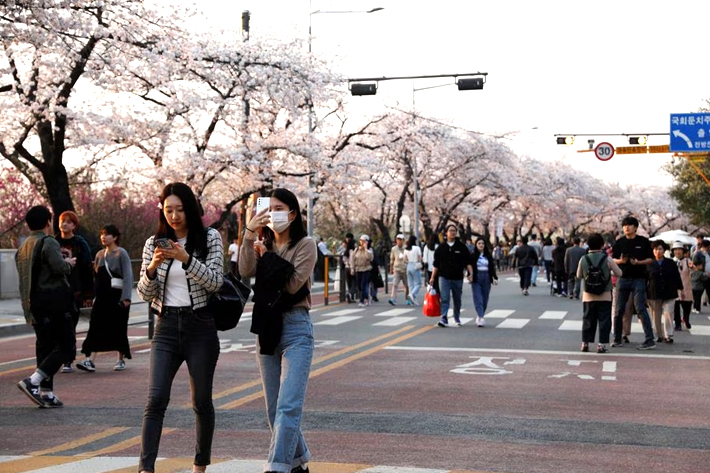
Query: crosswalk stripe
x=394, y=312
x=571, y=325
x=339, y=320
x=700, y=330
x=54, y=464
x=499, y=314
x=450, y=313
x=395, y=321
x=513, y=323
x=343, y=312
x=554, y=314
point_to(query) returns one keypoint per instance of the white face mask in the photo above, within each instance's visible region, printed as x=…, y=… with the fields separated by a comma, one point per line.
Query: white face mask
x=279, y=220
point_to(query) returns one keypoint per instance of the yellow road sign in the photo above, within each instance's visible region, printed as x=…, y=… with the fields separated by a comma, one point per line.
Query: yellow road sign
x=643, y=149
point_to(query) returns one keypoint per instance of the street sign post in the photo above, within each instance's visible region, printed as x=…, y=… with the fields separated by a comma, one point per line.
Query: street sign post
x=604, y=151
x=690, y=132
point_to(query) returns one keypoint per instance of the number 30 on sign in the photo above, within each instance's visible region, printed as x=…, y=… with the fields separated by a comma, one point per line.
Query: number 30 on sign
x=604, y=151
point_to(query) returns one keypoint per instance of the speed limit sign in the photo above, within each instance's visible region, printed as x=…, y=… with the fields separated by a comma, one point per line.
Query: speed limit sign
x=604, y=151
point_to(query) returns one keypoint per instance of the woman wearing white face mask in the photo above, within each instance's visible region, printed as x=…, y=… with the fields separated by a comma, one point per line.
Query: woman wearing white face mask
x=282, y=266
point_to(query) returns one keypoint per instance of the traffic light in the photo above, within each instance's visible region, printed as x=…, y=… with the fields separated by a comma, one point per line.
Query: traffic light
x=363, y=89
x=565, y=140
x=638, y=140
x=474, y=83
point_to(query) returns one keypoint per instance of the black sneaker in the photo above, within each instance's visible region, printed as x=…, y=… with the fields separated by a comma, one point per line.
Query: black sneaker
x=50, y=403
x=616, y=344
x=86, y=365
x=31, y=390
x=668, y=340
x=602, y=349
x=585, y=347
x=646, y=346
x=299, y=469
x=659, y=339
x=442, y=324
x=625, y=339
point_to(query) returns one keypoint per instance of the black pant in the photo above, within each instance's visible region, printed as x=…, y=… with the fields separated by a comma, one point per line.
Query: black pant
x=685, y=305
x=560, y=282
x=525, y=276
x=596, y=312
x=697, y=298
x=181, y=335
x=55, y=344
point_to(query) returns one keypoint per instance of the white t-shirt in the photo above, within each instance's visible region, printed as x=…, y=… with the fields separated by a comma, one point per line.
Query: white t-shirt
x=414, y=255
x=177, y=293
x=234, y=250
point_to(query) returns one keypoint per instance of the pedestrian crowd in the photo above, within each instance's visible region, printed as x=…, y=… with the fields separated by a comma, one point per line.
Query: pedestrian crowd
x=183, y=265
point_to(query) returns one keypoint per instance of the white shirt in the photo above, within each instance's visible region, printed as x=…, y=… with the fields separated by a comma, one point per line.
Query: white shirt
x=234, y=250
x=177, y=293
x=414, y=255
x=323, y=247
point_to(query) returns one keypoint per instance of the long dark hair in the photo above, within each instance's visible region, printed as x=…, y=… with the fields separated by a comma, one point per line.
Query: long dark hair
x=412, y=241
x=296, y=230
x=196, y=236
x=433, y=240
x=486, y=250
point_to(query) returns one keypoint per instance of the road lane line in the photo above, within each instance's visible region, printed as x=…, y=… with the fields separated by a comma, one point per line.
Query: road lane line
x=613, y=353
x=81, y=441
x=257, y=382
x=34, y=463
x=394, y=321
x=334, y=365
x=341, y=319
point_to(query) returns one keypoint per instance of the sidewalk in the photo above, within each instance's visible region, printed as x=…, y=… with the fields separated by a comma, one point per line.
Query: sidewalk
x=12, y=320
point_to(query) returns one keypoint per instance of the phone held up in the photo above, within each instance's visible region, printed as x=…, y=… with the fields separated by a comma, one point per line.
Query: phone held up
x=262, y=203
x=163, y=243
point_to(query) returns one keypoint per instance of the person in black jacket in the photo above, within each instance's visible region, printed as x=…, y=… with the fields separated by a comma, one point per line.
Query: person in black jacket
x=663, y=285
x=451, y=258
x=526, y=257
x=558, y=268
x=482, y=276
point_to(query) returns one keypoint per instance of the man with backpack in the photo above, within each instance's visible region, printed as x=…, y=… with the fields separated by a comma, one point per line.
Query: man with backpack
x=595, y=270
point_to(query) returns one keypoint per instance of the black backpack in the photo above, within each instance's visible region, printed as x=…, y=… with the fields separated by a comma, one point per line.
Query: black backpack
x=594, y=281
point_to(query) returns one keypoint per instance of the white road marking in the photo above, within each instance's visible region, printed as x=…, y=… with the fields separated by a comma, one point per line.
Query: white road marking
x=513, y=323
x=498, y=314
x=394, y=312
x=554, y=314
x=343, y=312
x=700, y=330
x=399, y=469
x=575, y=325
x=614, y=352
x=339, y=320
x=91, y=465
x=450, y=313
x=394, y=321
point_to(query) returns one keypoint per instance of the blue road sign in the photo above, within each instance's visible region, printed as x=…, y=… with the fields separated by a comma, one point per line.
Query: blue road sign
x=690, y=132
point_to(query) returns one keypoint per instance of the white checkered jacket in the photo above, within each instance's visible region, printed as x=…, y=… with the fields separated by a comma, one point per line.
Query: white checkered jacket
x=203, y=277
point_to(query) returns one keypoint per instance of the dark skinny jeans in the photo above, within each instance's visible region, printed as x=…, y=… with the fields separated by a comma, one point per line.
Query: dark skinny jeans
x=55, y=344
x=181, y=335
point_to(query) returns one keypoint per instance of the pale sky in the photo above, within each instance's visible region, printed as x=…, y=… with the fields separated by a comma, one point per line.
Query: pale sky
x=553, y=66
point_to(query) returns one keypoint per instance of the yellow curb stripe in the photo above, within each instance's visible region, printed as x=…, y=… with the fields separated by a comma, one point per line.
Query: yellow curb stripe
x=335, y=365
x=323, y=467
x=34, y=463
x=79, y=442
x=119, y=446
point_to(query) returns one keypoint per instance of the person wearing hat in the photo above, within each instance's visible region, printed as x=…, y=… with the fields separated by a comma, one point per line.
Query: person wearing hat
x=398, y=269
x=685, y=295
x=663, y=285
x=360, y=267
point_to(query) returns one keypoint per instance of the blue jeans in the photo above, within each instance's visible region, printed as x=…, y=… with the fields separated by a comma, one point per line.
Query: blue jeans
x=181, y=335
x=481, y=289
x=284, y=377
x=414, y=280
x=627, y=287
x=535, y=271
x=363, y=285
x=450, y=288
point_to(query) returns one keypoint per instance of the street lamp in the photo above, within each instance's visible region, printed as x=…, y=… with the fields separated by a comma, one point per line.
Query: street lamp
x=310, y=106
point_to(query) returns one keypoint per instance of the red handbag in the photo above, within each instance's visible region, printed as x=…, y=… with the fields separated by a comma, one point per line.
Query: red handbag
x=432, y=303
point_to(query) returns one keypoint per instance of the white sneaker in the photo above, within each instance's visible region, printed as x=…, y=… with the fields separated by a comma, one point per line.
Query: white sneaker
x=412, y=300
x=360, y=304
x=480, y=321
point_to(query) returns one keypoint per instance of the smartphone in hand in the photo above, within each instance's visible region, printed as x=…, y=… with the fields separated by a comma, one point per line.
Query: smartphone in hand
x=163, y=243
x=262, y=203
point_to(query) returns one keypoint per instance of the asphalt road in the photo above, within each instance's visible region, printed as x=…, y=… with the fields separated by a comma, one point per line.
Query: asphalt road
x=389, y=391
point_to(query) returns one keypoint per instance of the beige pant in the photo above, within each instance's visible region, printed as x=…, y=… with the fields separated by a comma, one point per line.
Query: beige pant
x=628, y=313
x=399, y=276
x=662, y=313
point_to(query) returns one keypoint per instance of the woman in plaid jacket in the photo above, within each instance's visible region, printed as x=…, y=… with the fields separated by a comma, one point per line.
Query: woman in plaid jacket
x=182, y=266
